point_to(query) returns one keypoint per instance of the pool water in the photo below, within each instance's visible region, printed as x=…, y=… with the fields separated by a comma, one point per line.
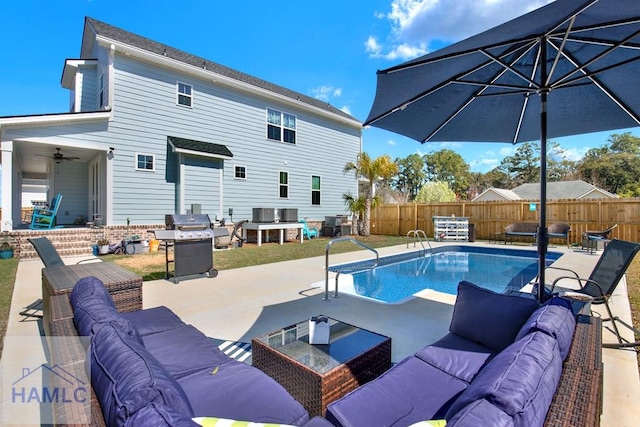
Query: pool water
x=397, y=278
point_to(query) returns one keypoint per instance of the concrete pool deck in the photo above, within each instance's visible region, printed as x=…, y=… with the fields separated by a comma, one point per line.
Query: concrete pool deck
x=242, y=303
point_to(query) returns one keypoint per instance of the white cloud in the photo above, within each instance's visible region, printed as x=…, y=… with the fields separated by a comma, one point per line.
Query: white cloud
x=323, y=93
x=392, y=143
x=417, y=24
x=507, y=150
x=575, y=154
x=346, y=109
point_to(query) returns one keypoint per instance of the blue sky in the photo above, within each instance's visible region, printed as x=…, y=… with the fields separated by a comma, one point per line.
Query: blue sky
x=328, y=49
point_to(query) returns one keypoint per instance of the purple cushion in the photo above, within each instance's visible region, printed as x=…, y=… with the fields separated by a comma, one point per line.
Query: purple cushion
x=184, y=350
x=554, y=318
x=411, y=391
x=126, y=378
x=238, y=391
x=520, y=381
x=478, y=413
x=91, y=303
x=158, y=415
x=153, y=320
x=318, y=422
x=457, y=356
x=489, y=318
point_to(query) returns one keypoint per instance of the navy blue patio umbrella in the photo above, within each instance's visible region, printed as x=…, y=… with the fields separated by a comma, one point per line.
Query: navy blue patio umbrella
x=568, y=68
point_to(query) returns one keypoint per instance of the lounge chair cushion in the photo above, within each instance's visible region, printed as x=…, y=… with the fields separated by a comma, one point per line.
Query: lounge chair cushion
x=555, y=318
x=126, y=378
x=91, y=304
x=520, y=381
x=478, y=413
x=489, y=318
x=153, y=320
x=159, y=415
x=234, y=388
x=457, y=356
x=184, y=350
x=416, y=391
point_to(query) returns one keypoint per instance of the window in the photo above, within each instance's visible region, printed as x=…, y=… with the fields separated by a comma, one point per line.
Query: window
x=281, y=126
x=315, y=190
x=101, y=90
x=184, y=94
x=284, y=185
x=145, y=162
x=240, y=172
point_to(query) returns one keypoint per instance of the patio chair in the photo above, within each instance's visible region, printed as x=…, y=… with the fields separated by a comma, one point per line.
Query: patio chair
x=48, y=253
x=590, y=237
x=603, y=280
x=45, y=218
x=309, y=232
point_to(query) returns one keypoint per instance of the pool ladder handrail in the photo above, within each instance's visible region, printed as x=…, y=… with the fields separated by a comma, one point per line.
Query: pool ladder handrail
x=418, y=234
x=326, y=263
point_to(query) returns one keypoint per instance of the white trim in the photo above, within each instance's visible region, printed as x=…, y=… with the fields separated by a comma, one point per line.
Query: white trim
x=181, y=177
x=222, y=80
x=70, y=70
x=47, y=119
x=200, y=153
x=135, y=162
x=110, y=78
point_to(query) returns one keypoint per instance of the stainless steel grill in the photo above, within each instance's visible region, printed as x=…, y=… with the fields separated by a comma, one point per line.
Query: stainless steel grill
x=191, y=238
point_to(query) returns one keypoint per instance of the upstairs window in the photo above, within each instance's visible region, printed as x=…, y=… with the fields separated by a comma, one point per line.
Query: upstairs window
x=184, y=94
x=284, y=185
x=281, y=126
x=101, y=90
x=315, y=190
x=145, y=162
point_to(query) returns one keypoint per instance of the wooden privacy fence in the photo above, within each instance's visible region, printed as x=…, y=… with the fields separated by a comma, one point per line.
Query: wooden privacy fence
x=490, y=217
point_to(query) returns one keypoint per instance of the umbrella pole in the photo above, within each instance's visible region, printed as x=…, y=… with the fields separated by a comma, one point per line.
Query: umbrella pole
x=542, y=235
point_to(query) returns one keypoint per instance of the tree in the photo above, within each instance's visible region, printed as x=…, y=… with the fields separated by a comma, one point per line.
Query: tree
x=615, y=166
x=357, y=205
x=410, y=176
x=450, y=167
x=373, y=170
x=524, y=166
x=436, y=192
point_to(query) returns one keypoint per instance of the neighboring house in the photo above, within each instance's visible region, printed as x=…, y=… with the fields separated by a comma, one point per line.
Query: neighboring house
x=555, y=190
x=154, y=130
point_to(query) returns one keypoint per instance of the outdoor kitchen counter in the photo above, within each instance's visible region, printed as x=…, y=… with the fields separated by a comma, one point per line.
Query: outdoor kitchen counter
x=260, y=227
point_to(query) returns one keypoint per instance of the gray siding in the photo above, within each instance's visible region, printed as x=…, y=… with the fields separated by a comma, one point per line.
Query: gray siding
x=145, y=113
x=202, y=184
x=87, y=89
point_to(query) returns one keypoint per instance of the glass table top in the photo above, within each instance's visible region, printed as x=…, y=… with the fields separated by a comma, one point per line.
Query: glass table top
x=345, y=342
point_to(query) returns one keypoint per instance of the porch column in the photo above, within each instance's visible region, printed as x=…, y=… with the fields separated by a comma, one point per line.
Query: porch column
x=7, y=185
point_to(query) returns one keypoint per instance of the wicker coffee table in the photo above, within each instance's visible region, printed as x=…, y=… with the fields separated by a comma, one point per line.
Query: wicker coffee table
x=316, y=375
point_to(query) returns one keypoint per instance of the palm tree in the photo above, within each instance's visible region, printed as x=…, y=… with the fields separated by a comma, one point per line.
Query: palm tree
x=380, y=169
x=356, y=205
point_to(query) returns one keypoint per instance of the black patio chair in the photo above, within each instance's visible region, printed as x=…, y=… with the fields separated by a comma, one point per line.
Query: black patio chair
x=48, y=253
x=602, y=282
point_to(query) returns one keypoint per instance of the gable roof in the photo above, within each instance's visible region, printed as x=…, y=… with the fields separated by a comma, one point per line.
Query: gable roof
x=107, y=31
x=207, y=149
x=560, y=190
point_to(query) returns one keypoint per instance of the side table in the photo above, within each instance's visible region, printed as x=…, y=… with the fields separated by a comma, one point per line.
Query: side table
x=316, y=375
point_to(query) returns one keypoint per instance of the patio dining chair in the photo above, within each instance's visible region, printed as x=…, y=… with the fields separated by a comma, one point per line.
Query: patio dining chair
x=309, y=232
x=602, y=282
x=591, y=236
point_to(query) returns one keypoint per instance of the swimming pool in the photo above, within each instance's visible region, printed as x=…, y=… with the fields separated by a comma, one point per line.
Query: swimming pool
x=398, y=277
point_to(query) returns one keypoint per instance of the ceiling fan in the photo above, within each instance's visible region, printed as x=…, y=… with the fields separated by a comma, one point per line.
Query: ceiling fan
x=58, y=157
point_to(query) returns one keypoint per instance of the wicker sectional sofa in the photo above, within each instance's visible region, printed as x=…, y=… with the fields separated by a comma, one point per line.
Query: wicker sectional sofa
x=147, y=367
x=505, y=362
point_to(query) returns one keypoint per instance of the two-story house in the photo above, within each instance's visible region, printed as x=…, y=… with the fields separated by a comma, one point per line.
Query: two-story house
x=154, y=130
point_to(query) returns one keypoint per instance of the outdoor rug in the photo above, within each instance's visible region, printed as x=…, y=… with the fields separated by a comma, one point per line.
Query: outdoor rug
x=240, y=351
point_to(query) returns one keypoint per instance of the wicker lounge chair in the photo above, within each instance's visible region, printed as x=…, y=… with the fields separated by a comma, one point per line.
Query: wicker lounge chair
x=590, y=238
x=48, y=253
x=602, y=282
